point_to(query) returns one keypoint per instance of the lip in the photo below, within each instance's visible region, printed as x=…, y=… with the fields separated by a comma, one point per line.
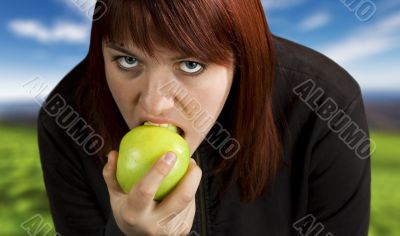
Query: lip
x=158, y=120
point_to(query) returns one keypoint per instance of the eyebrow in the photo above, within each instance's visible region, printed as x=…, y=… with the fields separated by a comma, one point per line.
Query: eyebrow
x=126, y=51
x=120, y=49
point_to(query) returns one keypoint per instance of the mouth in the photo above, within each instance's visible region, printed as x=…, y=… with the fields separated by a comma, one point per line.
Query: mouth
x=169, y=126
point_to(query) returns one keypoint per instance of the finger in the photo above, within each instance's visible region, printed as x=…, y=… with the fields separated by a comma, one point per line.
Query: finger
x=183, y=193
x=188, y=217
x=183, y=221
x=142, y=194
x=109, y=174
x=190, y=214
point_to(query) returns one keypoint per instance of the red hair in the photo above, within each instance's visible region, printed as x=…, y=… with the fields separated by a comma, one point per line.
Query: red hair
x=213, y=31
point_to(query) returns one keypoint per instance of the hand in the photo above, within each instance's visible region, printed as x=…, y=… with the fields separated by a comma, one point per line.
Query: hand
x=136, y=213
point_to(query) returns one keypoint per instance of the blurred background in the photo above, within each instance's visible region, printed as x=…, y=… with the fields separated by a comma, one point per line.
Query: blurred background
x=43, y=40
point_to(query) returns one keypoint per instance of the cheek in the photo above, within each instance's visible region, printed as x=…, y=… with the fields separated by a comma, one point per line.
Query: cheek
x=113, y=84
x=122, y=92
x=212, y=97
x=218, y=91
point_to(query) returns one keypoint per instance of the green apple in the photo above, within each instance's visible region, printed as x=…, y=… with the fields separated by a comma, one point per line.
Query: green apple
x=141, y=147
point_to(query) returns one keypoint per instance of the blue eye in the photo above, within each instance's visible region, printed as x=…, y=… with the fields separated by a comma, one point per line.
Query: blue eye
x=191, y=67
x=127, y=62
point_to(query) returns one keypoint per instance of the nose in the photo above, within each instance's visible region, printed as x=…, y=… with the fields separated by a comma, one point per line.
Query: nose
x=153, y=99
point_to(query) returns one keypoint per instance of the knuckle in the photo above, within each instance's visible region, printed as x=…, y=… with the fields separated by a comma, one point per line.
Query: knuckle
x=161, y=169
x=195, y=168
x=198, y=171
x=105, y=173
x=186, y=198
x=144, y=191
x=128, y=217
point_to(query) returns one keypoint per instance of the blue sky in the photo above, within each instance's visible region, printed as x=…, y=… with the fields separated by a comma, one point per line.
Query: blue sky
x=43, y=41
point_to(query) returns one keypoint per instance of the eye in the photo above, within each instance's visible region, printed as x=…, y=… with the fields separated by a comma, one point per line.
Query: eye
x=191, y=67
x=127, y=62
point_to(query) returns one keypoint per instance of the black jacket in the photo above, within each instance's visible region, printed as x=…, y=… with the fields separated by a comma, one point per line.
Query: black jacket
x=325, y=189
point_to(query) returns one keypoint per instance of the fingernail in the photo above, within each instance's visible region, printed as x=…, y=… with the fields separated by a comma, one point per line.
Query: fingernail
x=169, y=158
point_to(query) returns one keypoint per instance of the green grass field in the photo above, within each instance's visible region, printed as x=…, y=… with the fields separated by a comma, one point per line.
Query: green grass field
x=385, y=207
x=21, y=184
x=23, y=198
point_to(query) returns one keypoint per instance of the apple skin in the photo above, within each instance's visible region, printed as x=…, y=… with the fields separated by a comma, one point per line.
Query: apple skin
x=141, y=147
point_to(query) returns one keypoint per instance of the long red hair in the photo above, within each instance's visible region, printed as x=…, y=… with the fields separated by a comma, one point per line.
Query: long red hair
x=211, y=30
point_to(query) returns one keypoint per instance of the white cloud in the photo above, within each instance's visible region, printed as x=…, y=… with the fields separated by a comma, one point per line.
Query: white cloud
x=80, y=4
x=23, y=85
x=60, y=32
x=83, y=7
x=376, y=74
x=379, y=38
x=281, y=4
x=315, y=21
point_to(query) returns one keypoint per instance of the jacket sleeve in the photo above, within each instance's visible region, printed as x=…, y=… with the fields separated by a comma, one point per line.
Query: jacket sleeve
x=339, y=176
x=74, y=207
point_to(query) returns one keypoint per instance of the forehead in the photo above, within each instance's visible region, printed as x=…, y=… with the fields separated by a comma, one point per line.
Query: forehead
x=200, y=30
x=158, y=50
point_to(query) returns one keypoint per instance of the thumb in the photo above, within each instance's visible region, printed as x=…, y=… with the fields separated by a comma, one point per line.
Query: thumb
x=109, y=174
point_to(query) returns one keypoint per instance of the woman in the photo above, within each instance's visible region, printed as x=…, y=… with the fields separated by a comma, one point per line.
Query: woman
x=277, y=131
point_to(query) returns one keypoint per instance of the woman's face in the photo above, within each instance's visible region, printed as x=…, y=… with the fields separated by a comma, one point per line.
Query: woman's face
x=169, y=88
